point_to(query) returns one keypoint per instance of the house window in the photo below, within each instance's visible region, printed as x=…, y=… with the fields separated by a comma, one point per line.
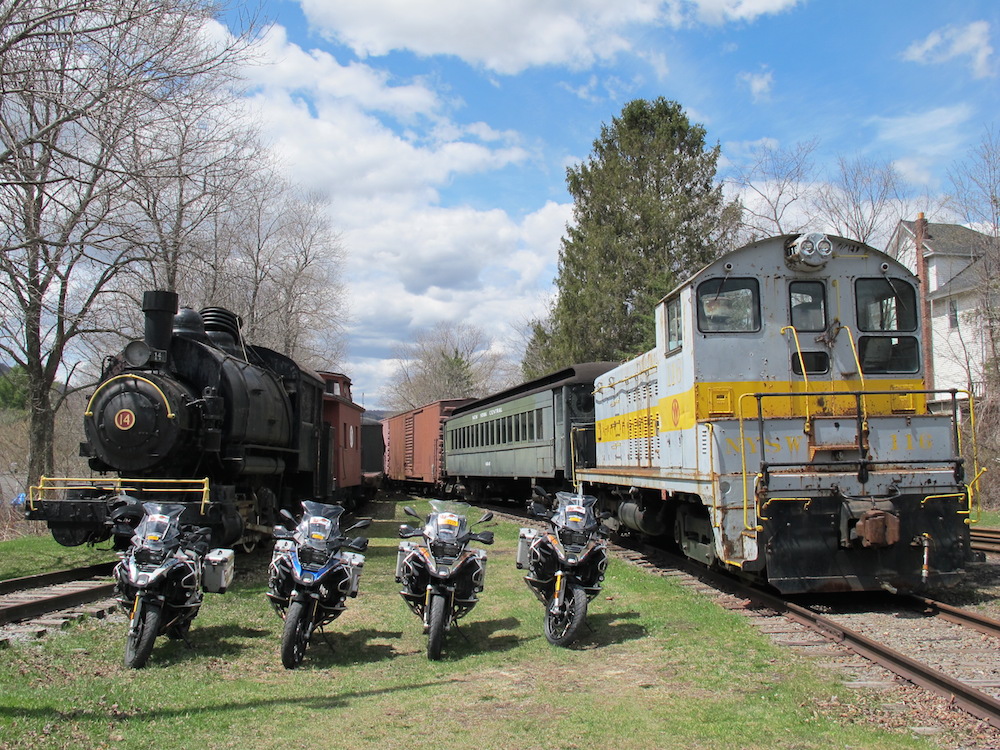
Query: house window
x=952, y=314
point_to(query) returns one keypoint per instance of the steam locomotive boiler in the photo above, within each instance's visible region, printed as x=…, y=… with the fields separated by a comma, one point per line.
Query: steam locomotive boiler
x=194, y=414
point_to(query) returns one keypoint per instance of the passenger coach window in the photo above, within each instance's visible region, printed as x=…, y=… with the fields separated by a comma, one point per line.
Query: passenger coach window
x=674, y=329
x=886, y=305
x=729, y=306
x=807, y=303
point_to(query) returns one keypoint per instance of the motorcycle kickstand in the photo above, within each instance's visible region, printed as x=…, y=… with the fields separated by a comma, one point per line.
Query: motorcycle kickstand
x=327, y=641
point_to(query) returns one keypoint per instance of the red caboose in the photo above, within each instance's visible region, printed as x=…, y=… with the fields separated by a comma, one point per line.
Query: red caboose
x=343, y=417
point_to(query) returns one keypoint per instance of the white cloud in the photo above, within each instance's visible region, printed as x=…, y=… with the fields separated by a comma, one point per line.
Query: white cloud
x=928, y=138
x=509, y=36
x=971, y=41
x=760, y=84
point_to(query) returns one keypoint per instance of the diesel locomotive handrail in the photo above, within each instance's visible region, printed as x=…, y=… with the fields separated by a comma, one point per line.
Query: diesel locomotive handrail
x=862, y=463
x=170, y=412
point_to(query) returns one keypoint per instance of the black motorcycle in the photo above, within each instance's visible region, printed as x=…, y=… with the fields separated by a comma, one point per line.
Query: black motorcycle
x=442, y=577
x=161, y=578
x=566, y=563
x=312, y=572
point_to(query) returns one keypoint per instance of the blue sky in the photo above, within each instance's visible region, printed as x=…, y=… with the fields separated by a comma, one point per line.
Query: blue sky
x=441, y=129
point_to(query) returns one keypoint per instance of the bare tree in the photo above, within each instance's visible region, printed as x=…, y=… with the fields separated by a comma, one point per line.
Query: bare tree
x=776, y=186
x=77, y=81
x=271, y=254
x=448, y=361
x=863, y=201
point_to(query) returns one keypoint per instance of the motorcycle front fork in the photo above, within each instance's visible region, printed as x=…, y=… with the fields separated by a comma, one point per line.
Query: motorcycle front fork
x=449, y=599
x=559, y=593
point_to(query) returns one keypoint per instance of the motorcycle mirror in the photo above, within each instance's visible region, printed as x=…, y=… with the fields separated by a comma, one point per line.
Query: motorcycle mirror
x=359, y=543
x=364, y=523
x=539, y=510
x=286, y=515
x=410, y=512
x=487, y=516
x=536, y=490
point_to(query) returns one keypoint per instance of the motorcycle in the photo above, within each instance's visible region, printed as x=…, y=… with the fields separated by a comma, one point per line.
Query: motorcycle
x=162, y=576
x=442, y=577
x=312, y=572
x=566, y=563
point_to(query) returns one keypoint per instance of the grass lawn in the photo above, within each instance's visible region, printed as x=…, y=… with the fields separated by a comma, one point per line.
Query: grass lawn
x=662, y=667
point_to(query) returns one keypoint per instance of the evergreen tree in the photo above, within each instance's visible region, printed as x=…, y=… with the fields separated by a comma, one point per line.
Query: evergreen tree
x=647, y=211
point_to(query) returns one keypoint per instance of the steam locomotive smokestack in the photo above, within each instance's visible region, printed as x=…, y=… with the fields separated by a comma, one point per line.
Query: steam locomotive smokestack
x=160, y=308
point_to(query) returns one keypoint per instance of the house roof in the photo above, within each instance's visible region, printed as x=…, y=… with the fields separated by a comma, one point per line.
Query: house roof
x=952, y=239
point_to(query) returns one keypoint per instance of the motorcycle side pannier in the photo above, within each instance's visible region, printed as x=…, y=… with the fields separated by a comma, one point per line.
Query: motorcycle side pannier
x=525, y=538
x=218, y=572
x=405, y=548
x=354, y=563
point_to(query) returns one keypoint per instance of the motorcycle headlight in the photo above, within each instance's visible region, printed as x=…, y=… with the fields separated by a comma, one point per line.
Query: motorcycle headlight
x=142, y=579
x=308, y=578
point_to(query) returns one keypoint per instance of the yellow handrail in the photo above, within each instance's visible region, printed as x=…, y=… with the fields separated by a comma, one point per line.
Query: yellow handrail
x=90, y=404
x=118, y=485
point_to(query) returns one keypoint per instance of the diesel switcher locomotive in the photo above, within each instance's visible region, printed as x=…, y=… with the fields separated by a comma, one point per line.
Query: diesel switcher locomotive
x=780, y=427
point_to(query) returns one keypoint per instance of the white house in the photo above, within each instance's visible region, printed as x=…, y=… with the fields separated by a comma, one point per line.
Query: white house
x=952, y=260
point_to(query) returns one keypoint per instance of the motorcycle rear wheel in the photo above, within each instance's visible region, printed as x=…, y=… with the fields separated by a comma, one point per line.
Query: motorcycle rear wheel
x=561, y=627
x=139, y=643
x=435, y=623
x=294, y=638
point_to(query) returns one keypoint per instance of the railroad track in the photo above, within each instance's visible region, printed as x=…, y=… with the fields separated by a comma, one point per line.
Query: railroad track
x=985, y=540
x=977, y=695
x=28, y=605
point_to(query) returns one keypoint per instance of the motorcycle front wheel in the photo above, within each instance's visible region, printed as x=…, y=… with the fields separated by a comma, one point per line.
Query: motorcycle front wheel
x=561, y=627
x=294, y=638
x=139, y=644
x=435, y=626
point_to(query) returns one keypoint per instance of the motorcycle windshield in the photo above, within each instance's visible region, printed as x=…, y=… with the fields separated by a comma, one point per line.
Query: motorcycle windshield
x=575, y=512
x=160, y=527
x=320, y=523
x=448, y=521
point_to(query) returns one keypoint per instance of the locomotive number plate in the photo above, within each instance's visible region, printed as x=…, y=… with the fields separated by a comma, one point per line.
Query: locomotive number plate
x=125, y=419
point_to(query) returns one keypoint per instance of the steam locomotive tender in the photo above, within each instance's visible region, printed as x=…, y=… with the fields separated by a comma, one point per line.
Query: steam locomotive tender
x=193, y=414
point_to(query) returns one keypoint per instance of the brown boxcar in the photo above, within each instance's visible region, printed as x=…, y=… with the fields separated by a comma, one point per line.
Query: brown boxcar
x=414, y=454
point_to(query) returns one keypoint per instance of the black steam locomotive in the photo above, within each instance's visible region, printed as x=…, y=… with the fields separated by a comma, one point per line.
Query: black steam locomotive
x=194, y=414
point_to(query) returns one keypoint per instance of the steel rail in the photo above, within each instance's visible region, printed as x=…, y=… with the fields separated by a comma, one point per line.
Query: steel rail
x=976, y=702
x=986, y=540
x=956, y=615
x=36, y=607
x=58, y=576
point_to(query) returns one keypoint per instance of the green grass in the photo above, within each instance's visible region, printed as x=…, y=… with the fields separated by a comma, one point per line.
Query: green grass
x=42, y=554
x=662, y=667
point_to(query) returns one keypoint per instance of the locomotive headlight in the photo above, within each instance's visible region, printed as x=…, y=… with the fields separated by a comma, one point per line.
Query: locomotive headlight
x=806, y=247
x=824, y=247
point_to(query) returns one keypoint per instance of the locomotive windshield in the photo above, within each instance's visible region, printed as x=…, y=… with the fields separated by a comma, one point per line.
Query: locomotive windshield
x=886, y=305
x=729, y=305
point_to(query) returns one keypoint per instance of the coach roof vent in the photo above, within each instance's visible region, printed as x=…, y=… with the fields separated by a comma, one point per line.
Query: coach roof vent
x=809, y=252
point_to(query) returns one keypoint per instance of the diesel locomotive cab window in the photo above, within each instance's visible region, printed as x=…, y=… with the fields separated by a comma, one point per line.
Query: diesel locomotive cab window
x=884, y=354
x=886, y=305
x=673, y=313
x=816, y=362
x=807, y=305
x=729, y=306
